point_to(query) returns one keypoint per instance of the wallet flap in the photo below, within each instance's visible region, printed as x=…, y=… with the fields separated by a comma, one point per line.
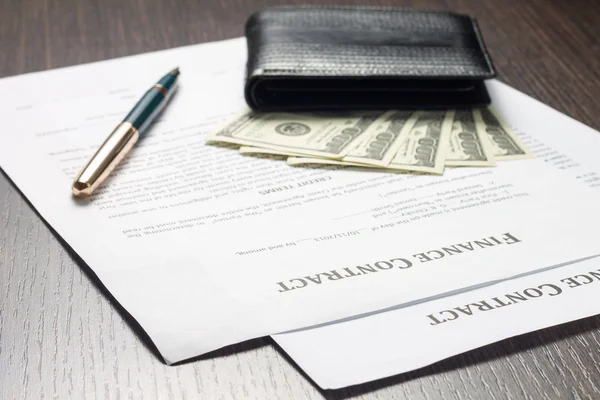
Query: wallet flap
x=324, y=57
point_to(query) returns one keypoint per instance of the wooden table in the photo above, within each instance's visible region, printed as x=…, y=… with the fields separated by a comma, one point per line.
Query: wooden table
x=60, y=336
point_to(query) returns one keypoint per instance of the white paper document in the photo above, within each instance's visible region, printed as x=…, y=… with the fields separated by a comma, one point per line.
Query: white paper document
x=206, y=248
x=393, y=342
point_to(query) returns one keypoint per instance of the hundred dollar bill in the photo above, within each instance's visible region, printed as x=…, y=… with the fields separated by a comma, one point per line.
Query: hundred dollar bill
x=381, y=140
x=505, y=144
x=319, y=134
x=467, y=147
x=424, y=147
x=294, y=161
x=249, y=150
x=324, y=161
x=376, y=147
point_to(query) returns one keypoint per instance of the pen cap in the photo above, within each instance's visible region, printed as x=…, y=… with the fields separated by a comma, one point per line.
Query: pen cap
x=106, y=159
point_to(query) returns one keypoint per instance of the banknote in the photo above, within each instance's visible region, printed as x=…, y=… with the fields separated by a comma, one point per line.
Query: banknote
x=299, y=161
x=423, y=148
x=467, y=147
x=376, y=147
x=315, y=134
x=399, y=140
x=504, y=143
x=249, y=150
x=294, y=161
x=381, y=140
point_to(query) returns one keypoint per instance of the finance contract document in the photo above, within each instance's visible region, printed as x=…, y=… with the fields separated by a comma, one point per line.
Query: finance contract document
x=412, y=337
x=206, y=248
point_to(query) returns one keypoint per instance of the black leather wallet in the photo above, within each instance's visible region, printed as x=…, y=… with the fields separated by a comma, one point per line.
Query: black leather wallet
x=319, y=58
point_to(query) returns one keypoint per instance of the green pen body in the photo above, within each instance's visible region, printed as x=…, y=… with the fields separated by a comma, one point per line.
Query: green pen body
x=152, y=102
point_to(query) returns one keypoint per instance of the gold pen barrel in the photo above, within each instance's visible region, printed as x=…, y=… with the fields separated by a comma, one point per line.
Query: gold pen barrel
x=108, y=156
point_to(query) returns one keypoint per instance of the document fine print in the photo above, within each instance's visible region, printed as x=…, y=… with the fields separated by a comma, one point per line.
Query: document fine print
x=205, y=247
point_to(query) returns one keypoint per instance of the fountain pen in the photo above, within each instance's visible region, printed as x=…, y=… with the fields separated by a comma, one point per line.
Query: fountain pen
x=125, y=135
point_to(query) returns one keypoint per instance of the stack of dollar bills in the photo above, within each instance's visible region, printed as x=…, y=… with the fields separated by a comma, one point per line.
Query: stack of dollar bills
x=411, y=141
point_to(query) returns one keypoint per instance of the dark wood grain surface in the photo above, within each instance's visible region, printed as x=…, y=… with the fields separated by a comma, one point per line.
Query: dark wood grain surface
x=60, y=336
